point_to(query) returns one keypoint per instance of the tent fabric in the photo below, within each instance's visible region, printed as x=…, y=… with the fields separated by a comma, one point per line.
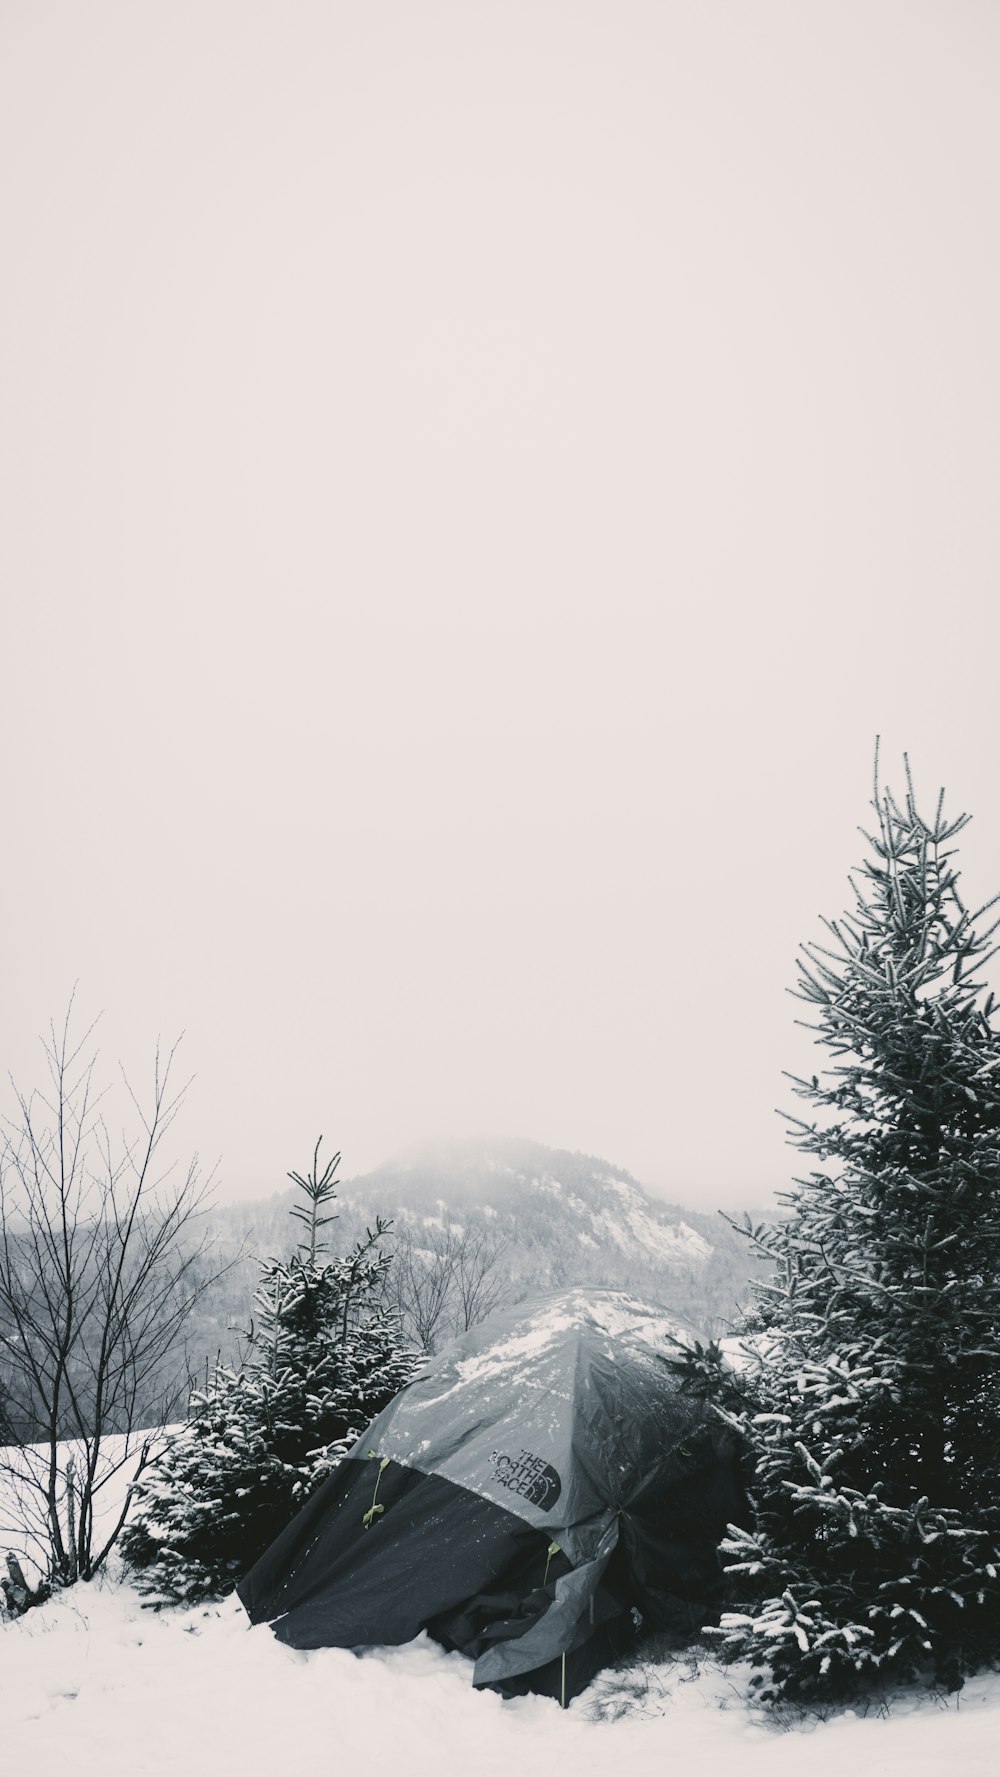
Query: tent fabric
x=542, y=1485
x=327, y=1581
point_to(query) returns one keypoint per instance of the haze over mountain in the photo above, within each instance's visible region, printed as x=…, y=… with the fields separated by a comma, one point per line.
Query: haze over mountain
x=553, y=1216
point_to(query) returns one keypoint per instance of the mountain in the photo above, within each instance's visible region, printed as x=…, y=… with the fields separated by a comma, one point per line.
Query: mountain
x=544, y=1218
x=563, y=1218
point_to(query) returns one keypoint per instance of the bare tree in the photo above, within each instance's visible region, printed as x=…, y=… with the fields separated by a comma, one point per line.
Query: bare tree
x=445, y=1280
x=482, y=1280
x=101, y=1261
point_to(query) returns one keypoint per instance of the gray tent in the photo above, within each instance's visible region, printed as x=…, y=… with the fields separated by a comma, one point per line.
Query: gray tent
x=536, y=1493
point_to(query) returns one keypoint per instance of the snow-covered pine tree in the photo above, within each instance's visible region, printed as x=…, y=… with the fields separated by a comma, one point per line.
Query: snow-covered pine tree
x=324, y=1355
x=875, y=1393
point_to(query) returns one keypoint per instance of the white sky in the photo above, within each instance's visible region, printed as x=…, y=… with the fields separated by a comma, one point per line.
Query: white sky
x=477, y=476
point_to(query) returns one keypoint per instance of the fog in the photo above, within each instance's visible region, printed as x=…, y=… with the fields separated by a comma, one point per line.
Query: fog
x=477, y=479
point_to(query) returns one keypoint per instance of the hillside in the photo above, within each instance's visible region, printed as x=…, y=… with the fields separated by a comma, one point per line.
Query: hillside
x=567, y=1218
x=553, y=1217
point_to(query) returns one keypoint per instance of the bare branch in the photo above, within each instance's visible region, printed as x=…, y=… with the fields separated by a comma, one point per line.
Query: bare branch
x=101, y=1263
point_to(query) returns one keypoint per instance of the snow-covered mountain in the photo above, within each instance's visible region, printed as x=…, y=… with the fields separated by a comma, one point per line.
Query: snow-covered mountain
x=564, y=1218
x=600, y=1205
x=558, y=1218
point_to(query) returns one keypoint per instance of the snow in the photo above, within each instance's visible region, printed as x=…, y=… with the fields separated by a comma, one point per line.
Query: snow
x=96, y=1683
x=22, y=1508
x=695, y=1241
x=545, y=1182
x=607, y=1312
x=508, y=1351
x=620, y=1316
x=628, y=1221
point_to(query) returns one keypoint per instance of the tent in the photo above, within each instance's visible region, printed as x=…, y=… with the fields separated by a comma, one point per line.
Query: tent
x=540, y=1491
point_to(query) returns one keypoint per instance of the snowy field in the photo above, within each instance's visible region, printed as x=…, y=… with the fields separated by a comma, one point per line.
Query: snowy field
x=95, y=1683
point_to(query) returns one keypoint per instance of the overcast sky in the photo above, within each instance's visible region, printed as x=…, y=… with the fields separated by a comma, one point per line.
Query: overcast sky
x=476, y=478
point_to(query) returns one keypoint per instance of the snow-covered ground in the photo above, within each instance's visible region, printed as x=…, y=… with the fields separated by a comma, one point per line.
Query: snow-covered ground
x=23, y=1508
x=98, y=1684
x=94, y=1683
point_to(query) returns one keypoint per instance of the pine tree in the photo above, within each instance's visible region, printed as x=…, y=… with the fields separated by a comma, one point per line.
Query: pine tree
x=873, y=1403
x=324, y=1355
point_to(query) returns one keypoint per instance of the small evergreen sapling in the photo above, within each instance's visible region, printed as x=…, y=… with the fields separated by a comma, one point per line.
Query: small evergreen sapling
x=873, y=1397
x=324, y=1356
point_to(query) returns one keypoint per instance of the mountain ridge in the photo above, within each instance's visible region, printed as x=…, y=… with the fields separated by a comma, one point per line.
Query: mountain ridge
x=556, y=1217
x=569, y=1217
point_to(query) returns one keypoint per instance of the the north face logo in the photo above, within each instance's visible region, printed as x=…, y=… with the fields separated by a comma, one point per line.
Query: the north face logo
x=529, y=1477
